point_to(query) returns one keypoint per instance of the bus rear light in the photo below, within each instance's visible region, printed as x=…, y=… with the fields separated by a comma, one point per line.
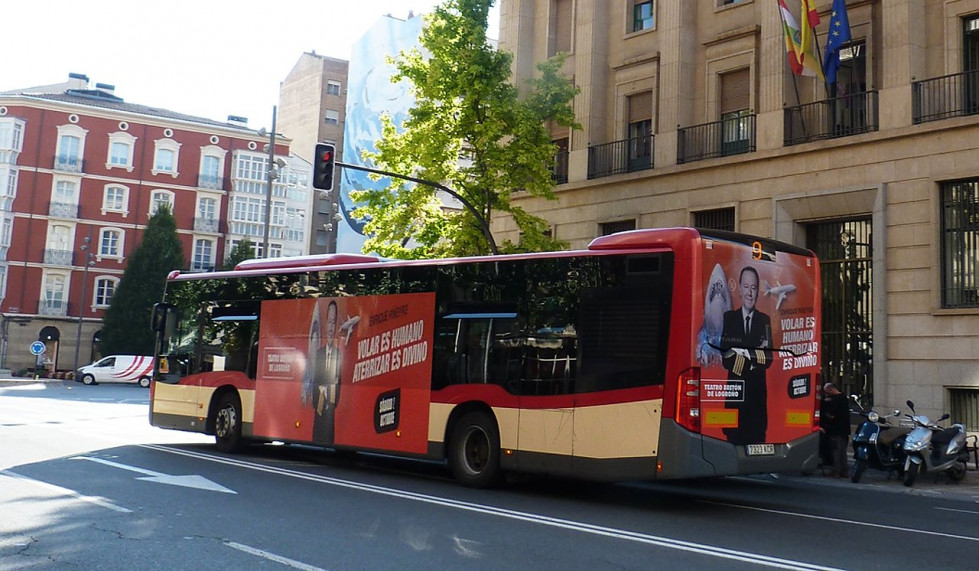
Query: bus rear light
x=688, y=399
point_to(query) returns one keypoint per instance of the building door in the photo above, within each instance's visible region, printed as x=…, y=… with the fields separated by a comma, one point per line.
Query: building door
x=849, y=94
x=846, y=262
x=970, y=65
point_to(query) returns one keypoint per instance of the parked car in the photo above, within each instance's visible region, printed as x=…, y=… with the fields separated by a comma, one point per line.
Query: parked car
x=117, y=369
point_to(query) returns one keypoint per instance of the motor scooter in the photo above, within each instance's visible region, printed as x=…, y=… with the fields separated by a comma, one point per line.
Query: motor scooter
x=878, y=443
x=933, y=448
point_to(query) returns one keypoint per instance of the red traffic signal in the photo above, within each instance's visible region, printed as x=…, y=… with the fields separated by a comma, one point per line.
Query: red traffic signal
x=323, y=165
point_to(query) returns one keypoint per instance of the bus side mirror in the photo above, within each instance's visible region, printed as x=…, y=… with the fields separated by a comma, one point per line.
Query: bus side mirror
x=158, y=321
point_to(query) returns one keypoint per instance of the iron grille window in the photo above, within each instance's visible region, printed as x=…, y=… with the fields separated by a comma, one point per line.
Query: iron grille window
x=716, y=219
x=965, y=407
x=845, y=252
x=618, y=226
x=960, y=243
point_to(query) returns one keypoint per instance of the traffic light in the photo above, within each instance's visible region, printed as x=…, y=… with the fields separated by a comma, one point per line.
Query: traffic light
x=323, y=165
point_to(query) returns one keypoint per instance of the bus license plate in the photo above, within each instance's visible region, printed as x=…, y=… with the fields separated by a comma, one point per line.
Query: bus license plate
x=761, y=449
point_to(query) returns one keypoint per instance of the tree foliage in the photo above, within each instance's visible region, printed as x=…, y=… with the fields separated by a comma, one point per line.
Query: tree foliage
x=242, y=251
x=471, y=130
x=126, y=327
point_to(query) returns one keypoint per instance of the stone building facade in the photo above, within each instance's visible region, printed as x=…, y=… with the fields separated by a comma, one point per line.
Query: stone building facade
x=691, y=115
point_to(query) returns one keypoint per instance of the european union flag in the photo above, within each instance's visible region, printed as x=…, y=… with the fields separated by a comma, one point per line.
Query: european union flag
x=839, y=34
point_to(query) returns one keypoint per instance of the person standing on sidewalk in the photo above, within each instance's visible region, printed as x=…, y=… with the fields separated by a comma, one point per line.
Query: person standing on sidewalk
x=834, y=422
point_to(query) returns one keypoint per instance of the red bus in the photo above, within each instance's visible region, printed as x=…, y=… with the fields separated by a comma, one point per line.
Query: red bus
x=630, y=360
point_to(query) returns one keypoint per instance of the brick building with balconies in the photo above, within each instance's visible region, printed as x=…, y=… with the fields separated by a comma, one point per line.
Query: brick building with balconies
x=81, y=173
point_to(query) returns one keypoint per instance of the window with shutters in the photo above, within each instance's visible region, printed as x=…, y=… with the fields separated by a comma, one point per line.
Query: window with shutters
x=641, y=131
x=561, y=27
x=735, y=111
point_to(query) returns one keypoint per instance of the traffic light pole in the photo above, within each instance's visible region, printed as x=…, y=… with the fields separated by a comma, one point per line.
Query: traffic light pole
x=472, y=209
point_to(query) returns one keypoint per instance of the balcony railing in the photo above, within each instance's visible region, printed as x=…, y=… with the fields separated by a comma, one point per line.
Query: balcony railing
x=628, y=155
x=205, y=225
x=718, y=139
x=53, y=307
x=69, y=163
x=560, y=171
x=59, y=257
x=210, y=181
x=954, y=95
x=63, y=209
x=837, y=117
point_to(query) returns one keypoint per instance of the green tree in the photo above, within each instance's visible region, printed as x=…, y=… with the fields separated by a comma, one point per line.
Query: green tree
x=472, y=130
x=126, y=327
x=242, y=251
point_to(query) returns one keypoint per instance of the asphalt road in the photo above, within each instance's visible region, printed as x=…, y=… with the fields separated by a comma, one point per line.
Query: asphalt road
x=86, y=483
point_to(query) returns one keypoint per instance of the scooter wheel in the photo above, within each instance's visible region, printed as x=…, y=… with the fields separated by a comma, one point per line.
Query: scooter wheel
x=859, y=467
x=911, y=474
x=957, y=471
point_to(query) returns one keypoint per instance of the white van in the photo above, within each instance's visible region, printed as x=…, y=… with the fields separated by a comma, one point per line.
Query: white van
x=117, y=369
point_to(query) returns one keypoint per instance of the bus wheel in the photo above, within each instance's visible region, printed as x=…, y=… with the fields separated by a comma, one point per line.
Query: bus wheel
x=88, y=380
x=227, y=423
x=474, y=451
x=144, y=382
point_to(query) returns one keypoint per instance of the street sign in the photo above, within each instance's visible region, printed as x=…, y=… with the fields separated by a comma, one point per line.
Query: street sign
x=37, y=348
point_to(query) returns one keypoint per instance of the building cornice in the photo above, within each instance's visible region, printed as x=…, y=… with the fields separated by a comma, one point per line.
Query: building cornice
x=201, y=125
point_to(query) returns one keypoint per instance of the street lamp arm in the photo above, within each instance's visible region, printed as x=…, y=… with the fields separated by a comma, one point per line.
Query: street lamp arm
x=472, y=209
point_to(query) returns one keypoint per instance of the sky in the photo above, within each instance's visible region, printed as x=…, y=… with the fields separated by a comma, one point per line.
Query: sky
x=208, y=58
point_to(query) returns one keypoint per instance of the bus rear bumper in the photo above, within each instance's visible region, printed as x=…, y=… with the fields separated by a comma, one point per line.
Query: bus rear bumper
x=695, y=456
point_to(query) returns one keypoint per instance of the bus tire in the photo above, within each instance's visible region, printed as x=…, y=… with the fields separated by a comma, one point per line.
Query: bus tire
x=474, y=451
x=227, y=423
x=144, y=382
x=88, y=380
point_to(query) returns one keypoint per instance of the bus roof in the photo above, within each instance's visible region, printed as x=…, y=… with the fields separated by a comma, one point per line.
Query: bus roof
x=679, y=240
x=305, y=261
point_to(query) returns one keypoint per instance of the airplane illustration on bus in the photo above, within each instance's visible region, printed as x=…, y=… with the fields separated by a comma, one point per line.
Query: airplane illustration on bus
x=778, y=289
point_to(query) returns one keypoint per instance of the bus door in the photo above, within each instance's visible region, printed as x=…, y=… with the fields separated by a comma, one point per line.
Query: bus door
x=546, y=425
x=175, y=394
x=174, y=398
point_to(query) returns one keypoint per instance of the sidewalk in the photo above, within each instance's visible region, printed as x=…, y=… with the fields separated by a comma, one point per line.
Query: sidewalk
x=931, y=484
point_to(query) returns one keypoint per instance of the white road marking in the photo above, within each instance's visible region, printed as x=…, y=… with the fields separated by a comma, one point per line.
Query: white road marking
x=659, y=541
x=847, y=521
x=65, y=492
x=189, y=481
x=973, y=512
x=272, y=556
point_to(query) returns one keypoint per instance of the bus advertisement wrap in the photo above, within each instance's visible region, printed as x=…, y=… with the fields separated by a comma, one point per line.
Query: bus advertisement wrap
x=659, y=353
x=758, y=344
x=347, y=371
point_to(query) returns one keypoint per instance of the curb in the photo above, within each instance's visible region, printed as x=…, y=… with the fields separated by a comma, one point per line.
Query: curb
x=24, y=381
x=930, y=485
